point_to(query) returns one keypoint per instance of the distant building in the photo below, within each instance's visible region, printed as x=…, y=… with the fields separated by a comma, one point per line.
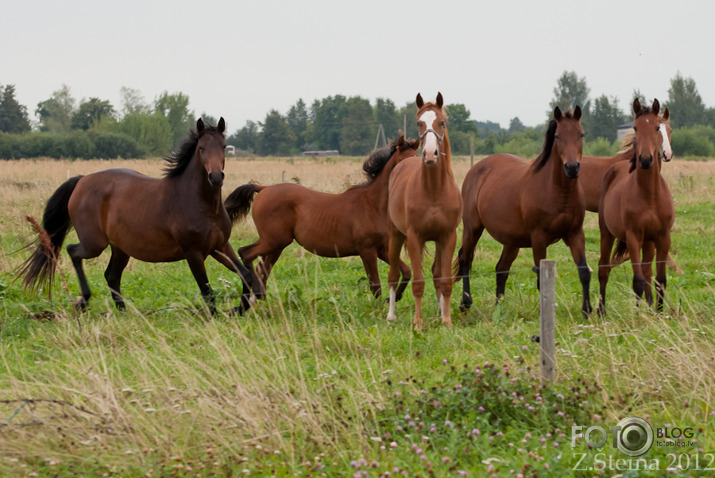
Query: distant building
x=623, y=130
x=230, y=150
x=327, y=152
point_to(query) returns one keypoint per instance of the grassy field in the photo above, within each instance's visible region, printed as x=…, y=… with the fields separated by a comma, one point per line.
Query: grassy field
x=315, y=382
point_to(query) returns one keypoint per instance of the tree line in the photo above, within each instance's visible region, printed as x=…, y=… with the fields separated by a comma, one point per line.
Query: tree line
x=94, y=128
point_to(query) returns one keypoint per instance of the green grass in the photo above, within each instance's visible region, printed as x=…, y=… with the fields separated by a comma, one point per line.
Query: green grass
x=314, y=381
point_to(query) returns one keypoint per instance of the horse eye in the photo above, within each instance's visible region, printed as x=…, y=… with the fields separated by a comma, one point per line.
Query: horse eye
x=441, y=123
x=556, y=136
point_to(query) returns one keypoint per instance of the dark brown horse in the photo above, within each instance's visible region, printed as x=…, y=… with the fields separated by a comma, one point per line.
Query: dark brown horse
x=637, y=210
x=525, y=203
x=353, y=223
x=425, y=205
x=180, y=216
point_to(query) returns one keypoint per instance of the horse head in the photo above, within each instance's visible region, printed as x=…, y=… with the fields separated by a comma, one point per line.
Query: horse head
x=649, y=138
x=568, y=140
x=665, y=130
x=211, y=151
x=432, y=124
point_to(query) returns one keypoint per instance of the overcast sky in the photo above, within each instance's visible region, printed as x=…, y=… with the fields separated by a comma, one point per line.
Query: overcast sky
x=240, y=59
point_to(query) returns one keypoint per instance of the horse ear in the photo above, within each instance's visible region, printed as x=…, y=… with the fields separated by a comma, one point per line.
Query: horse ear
x=200, y=126
x=440, y=101
x=557, y=114
x=656, y=107
x=221, y=125
x=666, y=114
x=636, y=107
x=577, y=112
x=419, y=101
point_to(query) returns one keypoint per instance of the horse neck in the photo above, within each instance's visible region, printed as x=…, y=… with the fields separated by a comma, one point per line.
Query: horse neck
x=435, y=178
x=557, y=176
x=648, y=180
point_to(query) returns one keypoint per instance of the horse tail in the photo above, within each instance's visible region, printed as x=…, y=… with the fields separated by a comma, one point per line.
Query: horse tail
x=620, y=255
x=238, y=203
x=40, y=267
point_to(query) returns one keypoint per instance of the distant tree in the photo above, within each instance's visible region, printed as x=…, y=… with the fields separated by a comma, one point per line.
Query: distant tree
x=358, y=132
x=409, y=112
x=459, y=120
x=276, y=138
x=570, y=91
x=13, y=115
x=90, y=112
x=515, y=125
x=208, y=119
x=175, y=108
x=245, y=138
x=685, y=103
x=606, y=116
x=297, y=118
x=386, y=114
x=133, y=102
x=328, y=115
x=55, y=114
x=152, y=132
x=484, y=127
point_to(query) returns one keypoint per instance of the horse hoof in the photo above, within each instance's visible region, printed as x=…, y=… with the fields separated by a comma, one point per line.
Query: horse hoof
x=390, y=318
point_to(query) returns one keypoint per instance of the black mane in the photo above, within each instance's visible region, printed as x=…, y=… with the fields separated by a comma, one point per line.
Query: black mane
x=375, y=163
x=178, y=160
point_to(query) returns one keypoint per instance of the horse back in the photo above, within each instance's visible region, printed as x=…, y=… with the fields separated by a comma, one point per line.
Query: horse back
x=590, y=176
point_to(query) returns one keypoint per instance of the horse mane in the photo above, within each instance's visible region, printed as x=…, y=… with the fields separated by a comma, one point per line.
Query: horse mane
x=549, y=139
x=178, y=160
x=376, y=162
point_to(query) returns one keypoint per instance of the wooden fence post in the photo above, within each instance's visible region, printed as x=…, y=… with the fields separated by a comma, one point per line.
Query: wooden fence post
x=547, y=279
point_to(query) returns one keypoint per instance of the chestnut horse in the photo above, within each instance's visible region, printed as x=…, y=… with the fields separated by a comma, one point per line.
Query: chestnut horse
x=637, y=210
x=353, y=223
x=525, y=203
x=425, y=205
x=180, y=216
x=593, y=168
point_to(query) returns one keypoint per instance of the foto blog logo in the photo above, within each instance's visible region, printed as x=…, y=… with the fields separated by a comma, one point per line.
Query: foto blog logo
x=632, y=436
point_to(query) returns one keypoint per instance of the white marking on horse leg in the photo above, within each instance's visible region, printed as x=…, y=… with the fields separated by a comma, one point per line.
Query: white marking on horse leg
x=391, y=313
x=667, y=150
x=441, y=304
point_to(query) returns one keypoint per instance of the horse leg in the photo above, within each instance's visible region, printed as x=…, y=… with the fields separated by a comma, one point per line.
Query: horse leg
x=604, y=266
x=78, y=252
x=198, y=269
x=414, y=249
x=647, y=268
x=397, y=240
x=634, y=243
x=250, y=253
x=369, y=261
x=405, y=272
x=577, y=244
x=662, y=249
x=465, y=256
x=227, y=256
x=445, y=251
x=113, y=274
x=508, y=255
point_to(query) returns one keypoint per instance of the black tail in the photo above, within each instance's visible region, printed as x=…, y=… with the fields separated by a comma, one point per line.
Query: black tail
x=620, y=254
x=238, y=203
x=39, y=268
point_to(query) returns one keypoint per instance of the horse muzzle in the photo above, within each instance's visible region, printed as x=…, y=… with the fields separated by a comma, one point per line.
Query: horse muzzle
x=216, y=178
x=430, y=158
x=571, y=168
x=645, y=162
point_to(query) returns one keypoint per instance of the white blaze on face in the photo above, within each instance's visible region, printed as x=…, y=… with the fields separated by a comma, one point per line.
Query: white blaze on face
x=430, y=143
x=667, y=151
